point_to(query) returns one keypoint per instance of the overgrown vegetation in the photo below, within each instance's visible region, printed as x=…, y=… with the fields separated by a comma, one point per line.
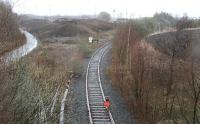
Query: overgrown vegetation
x=159, y=88
x=85, y=48
x=32, y=89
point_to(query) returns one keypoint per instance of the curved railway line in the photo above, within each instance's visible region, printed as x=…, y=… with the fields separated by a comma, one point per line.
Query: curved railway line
x=94, y=92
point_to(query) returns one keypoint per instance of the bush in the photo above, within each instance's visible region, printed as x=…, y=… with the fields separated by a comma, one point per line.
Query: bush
x=77, y=67
x=85, y=49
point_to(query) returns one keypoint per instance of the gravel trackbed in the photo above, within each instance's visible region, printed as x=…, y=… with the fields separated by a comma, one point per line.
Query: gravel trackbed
x=76, y=108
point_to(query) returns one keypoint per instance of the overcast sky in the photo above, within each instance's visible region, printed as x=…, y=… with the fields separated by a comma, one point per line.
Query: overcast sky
x=133, y=8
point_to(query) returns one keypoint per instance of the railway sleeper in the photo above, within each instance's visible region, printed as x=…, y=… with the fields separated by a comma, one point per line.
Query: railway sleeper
x=102, y=122
x=102, y=119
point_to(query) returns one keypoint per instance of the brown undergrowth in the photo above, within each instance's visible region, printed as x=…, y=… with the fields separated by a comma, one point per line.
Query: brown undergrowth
x=158, y=88
x=29, y=86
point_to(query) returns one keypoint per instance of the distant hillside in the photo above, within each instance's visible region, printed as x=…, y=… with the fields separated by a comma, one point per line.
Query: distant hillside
x=177, y=42
x=63, y=27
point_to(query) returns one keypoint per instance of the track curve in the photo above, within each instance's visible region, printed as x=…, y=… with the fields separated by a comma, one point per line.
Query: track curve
x=94, y=92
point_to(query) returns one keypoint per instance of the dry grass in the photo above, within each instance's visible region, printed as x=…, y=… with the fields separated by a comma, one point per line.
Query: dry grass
x=52, y=63
x=29, y=85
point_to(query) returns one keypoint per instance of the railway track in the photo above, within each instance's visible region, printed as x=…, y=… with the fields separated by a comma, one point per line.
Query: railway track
x=94, y=92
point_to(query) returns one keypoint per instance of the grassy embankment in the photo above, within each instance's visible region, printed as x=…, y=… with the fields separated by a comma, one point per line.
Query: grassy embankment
x=29, y=87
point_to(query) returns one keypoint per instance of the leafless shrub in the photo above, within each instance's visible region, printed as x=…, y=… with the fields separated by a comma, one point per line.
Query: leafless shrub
x=159, y=88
